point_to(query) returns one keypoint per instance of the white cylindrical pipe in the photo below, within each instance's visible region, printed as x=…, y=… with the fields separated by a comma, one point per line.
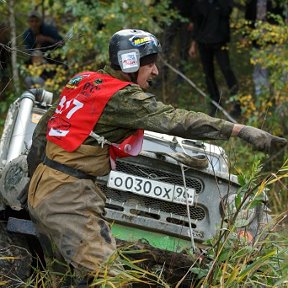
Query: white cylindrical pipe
x=23, y=118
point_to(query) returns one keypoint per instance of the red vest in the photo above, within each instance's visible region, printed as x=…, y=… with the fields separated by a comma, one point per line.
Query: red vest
x=81, y=104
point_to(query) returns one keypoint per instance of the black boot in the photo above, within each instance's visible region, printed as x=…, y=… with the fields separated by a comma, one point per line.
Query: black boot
x=236, y=111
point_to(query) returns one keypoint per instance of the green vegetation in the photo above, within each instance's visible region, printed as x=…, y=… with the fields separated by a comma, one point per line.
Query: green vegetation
x=233, y=261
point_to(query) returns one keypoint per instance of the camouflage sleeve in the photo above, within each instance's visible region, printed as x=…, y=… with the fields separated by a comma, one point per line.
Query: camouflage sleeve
x=132, y=108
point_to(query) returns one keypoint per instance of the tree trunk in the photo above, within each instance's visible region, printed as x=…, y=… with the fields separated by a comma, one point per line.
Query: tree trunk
x=13, y=45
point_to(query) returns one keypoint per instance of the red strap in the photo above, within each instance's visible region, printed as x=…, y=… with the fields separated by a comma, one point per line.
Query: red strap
x=131, y=146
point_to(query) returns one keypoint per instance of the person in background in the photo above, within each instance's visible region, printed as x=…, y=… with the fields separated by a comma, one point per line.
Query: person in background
x=41, y=36
x=101, y=116
x=253, y=12
x=211, y=35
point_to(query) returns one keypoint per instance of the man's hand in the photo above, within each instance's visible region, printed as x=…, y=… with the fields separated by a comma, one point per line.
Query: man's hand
x=261, y=140
x=193, y=50
x=40, y=39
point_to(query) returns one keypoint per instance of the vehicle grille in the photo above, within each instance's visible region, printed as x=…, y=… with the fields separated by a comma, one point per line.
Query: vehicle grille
x=146, y=204
x=150, y=173
x=153, y=214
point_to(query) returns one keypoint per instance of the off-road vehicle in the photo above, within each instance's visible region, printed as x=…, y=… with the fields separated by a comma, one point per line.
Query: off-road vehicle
x=173, y=197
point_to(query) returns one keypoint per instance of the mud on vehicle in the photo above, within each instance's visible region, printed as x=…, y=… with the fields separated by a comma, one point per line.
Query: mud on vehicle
x=175, y=195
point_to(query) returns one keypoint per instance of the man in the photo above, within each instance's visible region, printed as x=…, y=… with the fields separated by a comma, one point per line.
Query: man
x=211, y=35
x=268, y=11
x=64, y=199
x=41, y=36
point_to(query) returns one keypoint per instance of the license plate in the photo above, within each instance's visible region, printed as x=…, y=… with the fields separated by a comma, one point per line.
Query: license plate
x=151, y=188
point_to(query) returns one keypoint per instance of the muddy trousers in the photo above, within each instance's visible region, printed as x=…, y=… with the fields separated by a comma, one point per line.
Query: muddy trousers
x=72, y=217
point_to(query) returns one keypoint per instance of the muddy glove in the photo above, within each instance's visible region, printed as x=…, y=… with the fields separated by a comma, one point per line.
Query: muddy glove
x=262, y=140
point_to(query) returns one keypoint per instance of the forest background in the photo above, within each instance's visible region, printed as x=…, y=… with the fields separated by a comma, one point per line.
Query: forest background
x=86, y=27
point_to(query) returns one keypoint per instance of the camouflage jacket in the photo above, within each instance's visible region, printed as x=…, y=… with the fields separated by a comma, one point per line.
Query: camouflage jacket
x=131, y=108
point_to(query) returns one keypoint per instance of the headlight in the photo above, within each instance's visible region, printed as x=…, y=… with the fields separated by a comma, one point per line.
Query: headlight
x=244, y=217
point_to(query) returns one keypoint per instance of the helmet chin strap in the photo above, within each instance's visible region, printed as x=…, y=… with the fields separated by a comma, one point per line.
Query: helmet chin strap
x=131, y=76
x=134, y=76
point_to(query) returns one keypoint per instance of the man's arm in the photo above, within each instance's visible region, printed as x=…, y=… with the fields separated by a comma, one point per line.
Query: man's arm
x=50, y=35
x=141, y=110
x=132, y=109
x=29, y=40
